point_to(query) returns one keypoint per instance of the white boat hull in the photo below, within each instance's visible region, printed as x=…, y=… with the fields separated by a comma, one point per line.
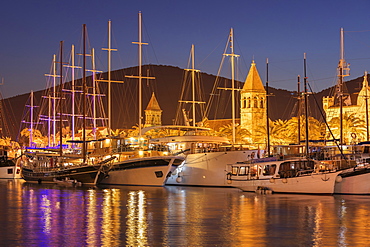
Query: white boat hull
x=10, y=172
x=207, y=169
x=320, y=183
x=354, y=182
x=154, y=173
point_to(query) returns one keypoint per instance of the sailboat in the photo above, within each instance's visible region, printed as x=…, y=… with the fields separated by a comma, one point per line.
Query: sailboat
x=140, y=164
x=207, y=156
x=292, y=175
x=56, y=165
x=354, y=180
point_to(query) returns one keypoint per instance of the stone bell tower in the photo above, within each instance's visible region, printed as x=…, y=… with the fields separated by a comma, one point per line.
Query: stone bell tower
x=253, y=103
x=153, y=113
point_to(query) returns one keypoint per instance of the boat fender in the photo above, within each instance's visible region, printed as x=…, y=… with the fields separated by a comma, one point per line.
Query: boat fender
x=284, y=180
x=181, y=174
x=229, y=181
x=179, y=179
x=338, y=179
x=272, y=180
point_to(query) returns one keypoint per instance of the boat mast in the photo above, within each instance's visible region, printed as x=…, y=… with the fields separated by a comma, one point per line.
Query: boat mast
x=267, y=108
x=140, y=76
x=84, y=95
x=306, y=105
x=299, y=110
x=343, y=70
x=232, y=55
x=193, y=70
x=109, y=81
x=31, y=120
x=366, y=106
x=60, y=101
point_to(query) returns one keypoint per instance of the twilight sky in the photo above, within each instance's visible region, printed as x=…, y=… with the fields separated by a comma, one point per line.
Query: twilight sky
x=280, y=30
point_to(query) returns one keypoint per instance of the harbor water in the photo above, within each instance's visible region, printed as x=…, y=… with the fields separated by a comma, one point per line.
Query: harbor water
x=53, y=215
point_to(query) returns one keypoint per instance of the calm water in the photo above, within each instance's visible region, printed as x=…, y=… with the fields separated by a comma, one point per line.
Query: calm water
x=50, y=215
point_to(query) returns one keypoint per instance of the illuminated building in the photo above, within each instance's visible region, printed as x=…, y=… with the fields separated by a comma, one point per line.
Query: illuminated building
x=153, y=113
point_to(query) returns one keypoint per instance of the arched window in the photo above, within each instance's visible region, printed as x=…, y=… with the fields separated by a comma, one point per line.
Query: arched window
x=249, y=102
x=244, y=103
x=261, y=103
x=255, y=102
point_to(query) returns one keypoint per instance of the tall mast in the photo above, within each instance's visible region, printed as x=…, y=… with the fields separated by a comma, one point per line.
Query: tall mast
x=343, y=70
x=140, y=76
x=109, y=49
x=267, y=108
x=60, y=101
x=194, y=102
x=232, y=55
x=73, y=91
x=299, y=113
x=84, y=148
x=31, y=120
x=52, y=104
x=306, y=104
x=366, y=85
x=193, y=82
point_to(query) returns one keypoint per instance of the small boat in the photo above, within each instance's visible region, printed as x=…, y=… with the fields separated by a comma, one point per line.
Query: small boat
x=9, y=168
x=355, y=180
x=295, y=175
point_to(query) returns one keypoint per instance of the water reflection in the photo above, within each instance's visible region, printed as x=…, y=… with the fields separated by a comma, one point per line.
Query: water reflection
x=48, y=215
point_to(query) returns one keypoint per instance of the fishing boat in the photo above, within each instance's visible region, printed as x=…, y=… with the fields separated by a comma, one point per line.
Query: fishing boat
x=299, y=175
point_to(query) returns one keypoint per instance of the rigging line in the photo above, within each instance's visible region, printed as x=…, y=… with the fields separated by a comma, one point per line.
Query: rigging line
x=361, y=31
x=326, y=123
x=219, y=44
x=150, y=41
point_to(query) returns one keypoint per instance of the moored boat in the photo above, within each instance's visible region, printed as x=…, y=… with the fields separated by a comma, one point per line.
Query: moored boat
x=9, y=168
x=300, y=175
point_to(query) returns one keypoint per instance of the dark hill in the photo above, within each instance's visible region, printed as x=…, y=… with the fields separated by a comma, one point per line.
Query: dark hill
x=167, y=87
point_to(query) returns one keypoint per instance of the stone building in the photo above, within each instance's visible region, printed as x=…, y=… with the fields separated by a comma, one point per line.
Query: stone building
x=153, y=113
x=253, y=103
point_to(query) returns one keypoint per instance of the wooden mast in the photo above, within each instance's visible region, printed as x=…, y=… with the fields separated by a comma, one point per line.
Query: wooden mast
x=306, y=105
x=60, y=101
x=267, y=108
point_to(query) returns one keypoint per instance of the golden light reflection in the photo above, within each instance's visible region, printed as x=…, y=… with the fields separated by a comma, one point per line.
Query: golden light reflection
x=111, y=226
x=136, y=219
x=91, y=218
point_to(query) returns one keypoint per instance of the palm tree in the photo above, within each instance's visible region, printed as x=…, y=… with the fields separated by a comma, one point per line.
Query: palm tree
x=352, y=126
x=241, y=134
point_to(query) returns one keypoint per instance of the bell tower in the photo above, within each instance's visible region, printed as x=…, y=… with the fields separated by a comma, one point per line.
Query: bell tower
x=153, y=113
x=253, y=103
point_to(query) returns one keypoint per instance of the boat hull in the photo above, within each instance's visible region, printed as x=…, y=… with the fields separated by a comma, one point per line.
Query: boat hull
x=320, y=183
x=84, y=174
x=148, y=171
x=355, y=182
x=207, y=169
x=9, y=170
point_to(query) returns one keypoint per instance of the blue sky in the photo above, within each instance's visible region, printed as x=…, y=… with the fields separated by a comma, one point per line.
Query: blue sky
x=278, y=30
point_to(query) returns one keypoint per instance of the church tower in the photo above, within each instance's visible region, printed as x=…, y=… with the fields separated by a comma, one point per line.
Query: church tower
x=153, y=113
x=253, y=103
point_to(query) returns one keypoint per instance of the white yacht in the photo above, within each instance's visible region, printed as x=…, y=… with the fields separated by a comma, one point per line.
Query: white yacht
x=295, y=175
x=206, y=156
